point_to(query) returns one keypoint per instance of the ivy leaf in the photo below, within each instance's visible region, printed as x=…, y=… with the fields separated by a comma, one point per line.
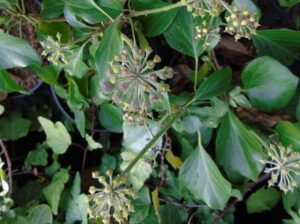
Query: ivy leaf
x=202, y=178
x=40, y=214
x=263, y=200
x=181, y=34
x=289, y=134
x=270, y=42
x=51, y=9
x=16, y=52
x=139, y=173
x=8, y=85
x=58, y=137
x=111, y=117
x=53, y=191
x=288, y=3
x=14, y=127
x=75, y=97
x=109, y=47
x=214, y=85
x=268, y=84
x=92, y=144
x=237, y=148
x=37, y=157
x=157, y=23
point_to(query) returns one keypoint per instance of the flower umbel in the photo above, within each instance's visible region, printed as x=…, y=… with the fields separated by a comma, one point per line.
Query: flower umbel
x=201, y=7
x=135, y=83
x=111, y=202
x=283, y=164
x=55, y=50
x=241, y=23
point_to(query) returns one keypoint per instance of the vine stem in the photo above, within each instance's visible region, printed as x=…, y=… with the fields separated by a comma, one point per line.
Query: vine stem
x=161, y=9
x=153, y=141
x=8, y=162
x=196, y=72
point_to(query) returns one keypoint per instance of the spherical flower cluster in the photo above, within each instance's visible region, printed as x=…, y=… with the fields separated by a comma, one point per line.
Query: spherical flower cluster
x=54, y=50
x=201, y=7
x=207, y=33
x=134, y=83
x=283, y=164
x=241, y=23
x=113, y=202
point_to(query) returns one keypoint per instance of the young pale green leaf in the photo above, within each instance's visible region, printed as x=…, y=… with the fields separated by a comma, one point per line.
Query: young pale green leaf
x=40, y=214
x=16, y=52
x=51, y=9
x=281, y=44
x=53, y=191
x=269, y=85
x=76, y=66
x=181, y=34
x=14, y=127
x=80, y=121
x=8, y=85
x=289, y=134
x=237, y=148
x=155, y=24
x=2, y=109
x=92, y=144
x=214, y=85
x=202, y=177
x=109, y=47
x=58, y=137
x=263, y=200
x=111, y=117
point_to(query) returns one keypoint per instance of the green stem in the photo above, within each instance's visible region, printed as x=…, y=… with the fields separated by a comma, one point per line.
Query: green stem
x=196, y=72
x=153, y=141
x=161, y=9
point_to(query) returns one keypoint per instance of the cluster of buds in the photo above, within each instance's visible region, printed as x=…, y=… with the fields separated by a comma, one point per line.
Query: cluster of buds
x=113, y=202
x=134, y=83
x=207, y=32
x=202, y=7
x=54, y=50
x=5, y=202
x=241, y=23
x=283, y=164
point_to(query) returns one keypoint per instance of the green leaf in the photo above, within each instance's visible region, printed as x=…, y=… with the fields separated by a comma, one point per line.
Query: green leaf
x=263, y=200
x=214, y=85
x=7, y=84
x=51, y=29
x=191, y=124
x=92, y=144
x=2, y=109
x=51, y=9
x=109, y=47
x=14, y=127
x=76, y=66
x=49, y=74
x=108, y=162
x=76, y=207
x=75, y=97
x=298, y=110
x=237, y=148
x=16, y=52
x=289, y=134
x=139, y=173
x=53, y=191
x=37, y=157
x=181, y=34
x=111, y=117
x=202, y=177
x=281, y=44
x=41, y=214
x=80, y=121
x=269, y=85
x=157, y=23
x=58, y=137
x=288, y=3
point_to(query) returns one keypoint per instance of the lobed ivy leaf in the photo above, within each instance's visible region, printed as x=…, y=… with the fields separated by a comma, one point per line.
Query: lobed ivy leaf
x=41, y=214
x=37, y=157
x=57, y=135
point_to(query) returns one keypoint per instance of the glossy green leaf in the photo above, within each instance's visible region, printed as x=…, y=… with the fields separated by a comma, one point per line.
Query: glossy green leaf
x=51, y=29
x=157, y=23
x=202, y=177
x=14, y=127
x=237, y=148
x=8, y=85
x=268, y=84
x=75, y=97
x=289, y=134
x=214, y=85
x=16, y=52
x=58, y=137
x=51, y=9
x=109, y=47
x=181, y=34
x=281, y=44
x=49, y=74
x=53, y=191
x=263, y=200
x=111, y=117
